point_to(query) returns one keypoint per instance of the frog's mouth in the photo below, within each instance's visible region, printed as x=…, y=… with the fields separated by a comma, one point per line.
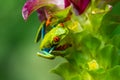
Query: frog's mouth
x=50, y=53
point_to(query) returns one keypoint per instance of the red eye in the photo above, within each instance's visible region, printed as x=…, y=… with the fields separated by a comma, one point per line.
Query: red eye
x=56, y=39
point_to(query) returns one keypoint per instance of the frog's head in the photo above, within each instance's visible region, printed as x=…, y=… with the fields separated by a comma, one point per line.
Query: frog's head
x=54, y=40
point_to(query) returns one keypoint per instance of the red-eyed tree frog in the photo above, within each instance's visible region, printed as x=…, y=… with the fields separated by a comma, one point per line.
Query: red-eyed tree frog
x=52, y=31
x=52, y=39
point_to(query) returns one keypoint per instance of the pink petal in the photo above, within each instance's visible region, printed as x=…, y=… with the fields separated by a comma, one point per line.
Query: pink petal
x=32, y=5
x=67, y=3
x=80, y=5
x=41, y=14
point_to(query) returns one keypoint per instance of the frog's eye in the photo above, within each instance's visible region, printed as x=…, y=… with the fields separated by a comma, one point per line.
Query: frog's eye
x=56, y=39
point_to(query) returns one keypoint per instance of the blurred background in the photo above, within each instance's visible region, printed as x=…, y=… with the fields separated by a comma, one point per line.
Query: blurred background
x=18, y=59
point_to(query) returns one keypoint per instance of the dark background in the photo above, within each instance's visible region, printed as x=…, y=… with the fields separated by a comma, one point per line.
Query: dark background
x=18, y=59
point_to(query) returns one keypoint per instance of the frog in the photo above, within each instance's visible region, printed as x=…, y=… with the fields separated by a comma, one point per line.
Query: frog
x=51, y=41
x=52, y=33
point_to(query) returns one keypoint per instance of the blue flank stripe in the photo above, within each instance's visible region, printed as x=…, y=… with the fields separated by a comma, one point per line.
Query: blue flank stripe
x=43, y=31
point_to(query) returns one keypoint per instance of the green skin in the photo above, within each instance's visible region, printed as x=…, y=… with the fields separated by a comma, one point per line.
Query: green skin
x=49, y=43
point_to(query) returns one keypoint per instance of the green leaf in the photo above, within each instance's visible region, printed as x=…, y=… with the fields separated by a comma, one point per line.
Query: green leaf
x=97, y=14
x=114, y=73
x=95, y=20
x=107, y=57
x=116, y=31
x=90, y=44
x=113, y=2
x=62, y=13
x=115, y=58
x=60, y=16
x=108, y=25
x=70, y=72
x=78, y=59
x=76, y=78
x=119, y=56
x=116, y=41
x=110, y=22
x=66, y=70
x=111, y=74
x=98, y=74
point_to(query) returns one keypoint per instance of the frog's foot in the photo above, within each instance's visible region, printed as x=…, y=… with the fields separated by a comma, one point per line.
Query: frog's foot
x=45, y=54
